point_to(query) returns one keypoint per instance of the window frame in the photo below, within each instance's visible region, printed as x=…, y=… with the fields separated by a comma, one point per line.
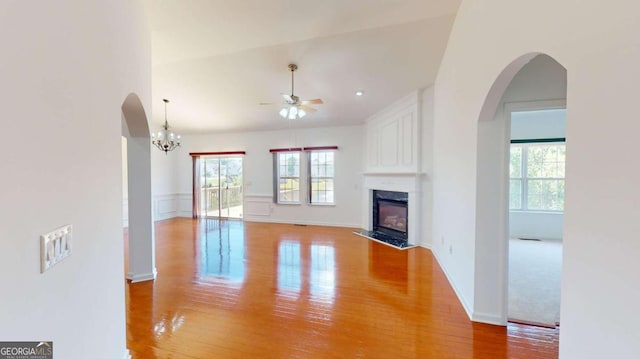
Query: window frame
x=304, y=182
x=310, y=177
x=536, y=105
x=524, y=178
x=277, y=175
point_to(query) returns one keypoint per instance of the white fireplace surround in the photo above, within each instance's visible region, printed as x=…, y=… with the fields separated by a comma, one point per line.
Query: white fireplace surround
x=409, y=183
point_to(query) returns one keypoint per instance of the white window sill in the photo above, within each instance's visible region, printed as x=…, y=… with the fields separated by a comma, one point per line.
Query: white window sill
x=322, y=204
x=534, y=212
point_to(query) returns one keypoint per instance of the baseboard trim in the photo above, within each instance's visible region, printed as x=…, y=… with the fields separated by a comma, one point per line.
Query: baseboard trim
x=127, y=354
x=136, y=278
x=307, y=223
x=488, y=319
x=465, y=306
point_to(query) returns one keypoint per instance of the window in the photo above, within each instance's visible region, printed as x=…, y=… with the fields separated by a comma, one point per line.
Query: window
x=536, y=173
x=321, y=171
x=287, y=177
x=319, y=180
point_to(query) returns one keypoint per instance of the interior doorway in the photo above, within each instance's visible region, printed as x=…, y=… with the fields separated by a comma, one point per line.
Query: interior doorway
x=537, y=162
x=529, y=80
x=220, y=185
x=140, y=232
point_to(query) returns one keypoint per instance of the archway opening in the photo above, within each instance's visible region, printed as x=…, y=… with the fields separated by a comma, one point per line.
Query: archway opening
x=514, y=203
x=141, y=240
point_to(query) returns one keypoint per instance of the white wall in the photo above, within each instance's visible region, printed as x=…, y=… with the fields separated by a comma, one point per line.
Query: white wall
x=66, y=70
x=258, y=169
x=599, y=46
x=167, y=201
x=540, y=225
x=533, y=124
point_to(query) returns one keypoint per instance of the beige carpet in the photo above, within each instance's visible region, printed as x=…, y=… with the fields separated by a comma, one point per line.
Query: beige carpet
x=534, y=281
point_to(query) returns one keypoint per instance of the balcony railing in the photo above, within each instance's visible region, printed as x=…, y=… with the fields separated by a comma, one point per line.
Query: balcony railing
x=210, y=197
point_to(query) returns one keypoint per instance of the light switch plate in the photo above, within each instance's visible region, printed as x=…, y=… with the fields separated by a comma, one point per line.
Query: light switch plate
x=54, y=247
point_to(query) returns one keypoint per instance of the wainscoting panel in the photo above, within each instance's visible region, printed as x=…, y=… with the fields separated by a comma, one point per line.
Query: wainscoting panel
x=184, y=205
x=257, y=206
x=171, y=205
x=392, y=137
x=389, y=143
x=373, y=147
x=407, y=139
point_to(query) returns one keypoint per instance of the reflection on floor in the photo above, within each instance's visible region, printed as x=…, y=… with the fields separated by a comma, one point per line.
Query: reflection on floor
x=222, y=250
x=244, y=290
x=227, y=212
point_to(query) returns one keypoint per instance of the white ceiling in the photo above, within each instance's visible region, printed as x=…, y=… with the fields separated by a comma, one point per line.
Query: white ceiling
x=217, y=60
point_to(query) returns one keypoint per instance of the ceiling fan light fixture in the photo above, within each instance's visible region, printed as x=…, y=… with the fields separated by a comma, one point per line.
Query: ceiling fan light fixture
x=359, y=93
x=294, y=108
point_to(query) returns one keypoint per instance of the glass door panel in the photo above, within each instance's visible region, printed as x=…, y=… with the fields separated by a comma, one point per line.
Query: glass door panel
x=221, y=187
x=231, y=187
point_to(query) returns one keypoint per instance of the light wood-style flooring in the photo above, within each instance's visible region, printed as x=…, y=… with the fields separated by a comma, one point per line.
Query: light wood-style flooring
x=251, y=290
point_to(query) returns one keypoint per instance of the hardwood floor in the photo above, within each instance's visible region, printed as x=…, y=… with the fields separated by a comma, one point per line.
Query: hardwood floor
x=250, y=290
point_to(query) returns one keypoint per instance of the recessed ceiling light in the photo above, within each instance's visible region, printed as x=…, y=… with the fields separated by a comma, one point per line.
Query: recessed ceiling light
x=359, y=93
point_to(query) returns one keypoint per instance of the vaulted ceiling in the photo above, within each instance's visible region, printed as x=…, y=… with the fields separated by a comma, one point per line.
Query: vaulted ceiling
x=217, y=60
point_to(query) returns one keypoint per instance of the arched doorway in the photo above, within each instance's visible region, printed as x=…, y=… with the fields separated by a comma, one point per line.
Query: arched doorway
x=135, y=129
x=493, y=174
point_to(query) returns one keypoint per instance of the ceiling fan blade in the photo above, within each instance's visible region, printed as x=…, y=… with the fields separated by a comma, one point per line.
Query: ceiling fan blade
x=265, y=103
x=307, y=108
x=315, y=101
x=287, y=97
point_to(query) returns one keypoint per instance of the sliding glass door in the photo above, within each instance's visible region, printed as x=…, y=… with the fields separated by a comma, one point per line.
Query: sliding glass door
x=220, y=187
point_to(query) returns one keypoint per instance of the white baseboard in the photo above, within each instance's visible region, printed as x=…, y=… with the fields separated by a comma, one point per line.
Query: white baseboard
x=479, y=317
x=136, y=278
x=304, y=222
x=465, y=306
x=127, y=354
x=488, y=319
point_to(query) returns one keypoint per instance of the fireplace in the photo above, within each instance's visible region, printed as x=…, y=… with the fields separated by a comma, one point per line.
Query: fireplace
x=390, y=213
x=392, y=209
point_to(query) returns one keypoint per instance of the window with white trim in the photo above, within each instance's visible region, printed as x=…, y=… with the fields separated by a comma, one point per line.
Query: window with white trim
x=536, y=174
x=287, y=173
x=320, y=168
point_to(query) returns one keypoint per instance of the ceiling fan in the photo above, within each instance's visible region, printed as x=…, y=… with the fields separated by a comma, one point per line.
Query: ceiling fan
x=294, y=107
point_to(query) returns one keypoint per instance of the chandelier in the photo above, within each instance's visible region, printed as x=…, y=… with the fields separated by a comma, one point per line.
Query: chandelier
x=164, y=140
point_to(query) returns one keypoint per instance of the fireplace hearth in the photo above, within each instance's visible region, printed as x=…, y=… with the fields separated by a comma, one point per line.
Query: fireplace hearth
x=390, y=219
